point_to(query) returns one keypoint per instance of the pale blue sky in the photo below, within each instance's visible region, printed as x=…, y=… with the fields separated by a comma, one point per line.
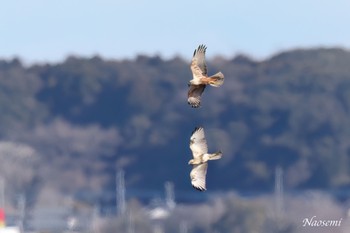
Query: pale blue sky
x=47, y=30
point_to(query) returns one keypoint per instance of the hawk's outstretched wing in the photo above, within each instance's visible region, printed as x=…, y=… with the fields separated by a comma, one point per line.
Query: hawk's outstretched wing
x=194, y=95
x=198, y=143
x=198, y=175
x=198, y=66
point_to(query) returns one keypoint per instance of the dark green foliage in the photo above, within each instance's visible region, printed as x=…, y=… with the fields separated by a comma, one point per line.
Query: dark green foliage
x=291, y=110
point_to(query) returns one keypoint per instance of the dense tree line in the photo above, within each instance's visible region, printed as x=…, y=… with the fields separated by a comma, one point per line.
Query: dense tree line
x=84, y=118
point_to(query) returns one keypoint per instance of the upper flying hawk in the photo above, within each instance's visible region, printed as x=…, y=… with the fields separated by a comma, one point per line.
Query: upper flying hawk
x=200, y=77
x=198, y=145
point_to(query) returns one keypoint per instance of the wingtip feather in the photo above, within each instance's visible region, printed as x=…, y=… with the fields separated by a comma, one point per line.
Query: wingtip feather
x=201, y=48
x=194, y=104
x=197, y=128
x=199, y=188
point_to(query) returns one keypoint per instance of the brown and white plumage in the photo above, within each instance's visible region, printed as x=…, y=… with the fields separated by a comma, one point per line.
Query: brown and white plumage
x=199, y=148
x=200, y=77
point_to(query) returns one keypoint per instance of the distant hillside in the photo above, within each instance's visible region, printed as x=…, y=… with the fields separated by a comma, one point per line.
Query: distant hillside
x=85, y=117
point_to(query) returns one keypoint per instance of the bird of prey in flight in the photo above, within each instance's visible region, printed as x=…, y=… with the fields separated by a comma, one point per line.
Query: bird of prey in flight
x=200, y=77
x=199, y=148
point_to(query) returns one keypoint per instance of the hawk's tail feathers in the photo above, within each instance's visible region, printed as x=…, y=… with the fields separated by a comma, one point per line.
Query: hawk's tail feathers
x=217, y=79
x=215, y=156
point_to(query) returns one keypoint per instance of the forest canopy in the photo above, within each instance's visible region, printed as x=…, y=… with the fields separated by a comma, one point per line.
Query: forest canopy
x=85, y=118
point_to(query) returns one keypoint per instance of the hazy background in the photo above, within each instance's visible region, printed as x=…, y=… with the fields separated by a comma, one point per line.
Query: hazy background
x=41, y=30
x=90, y=88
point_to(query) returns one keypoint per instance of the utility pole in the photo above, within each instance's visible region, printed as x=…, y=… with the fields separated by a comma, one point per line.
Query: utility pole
x=130, y=222
x=95, y=214
x=279, y=191
x=2, y=192
x=169, y=195
x=120, y=192
x=183, y=227
x=21, y=205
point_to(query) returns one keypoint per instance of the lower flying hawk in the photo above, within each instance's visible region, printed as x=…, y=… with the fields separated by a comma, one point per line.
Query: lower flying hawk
x=199, y=148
